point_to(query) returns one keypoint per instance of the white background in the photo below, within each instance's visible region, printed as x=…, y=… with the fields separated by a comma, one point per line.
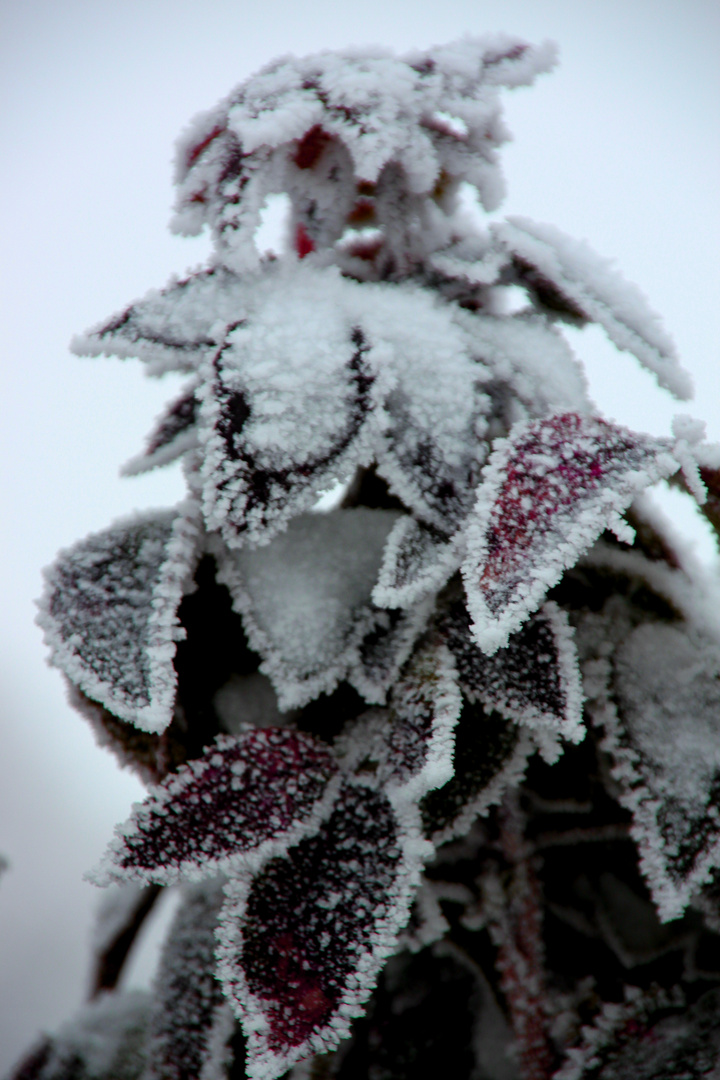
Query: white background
x=620, y=145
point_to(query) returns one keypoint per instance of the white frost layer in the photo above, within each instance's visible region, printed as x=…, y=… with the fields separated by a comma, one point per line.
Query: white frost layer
x=305, y=598
x=601, y=292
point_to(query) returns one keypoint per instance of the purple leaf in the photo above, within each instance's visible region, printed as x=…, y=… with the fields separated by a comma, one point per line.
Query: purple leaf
x=549, y=490
x=303, y=941
x=408, y=747
x=417, y=561
x=244, y=794
x=491, y=754
x=384, y=650
x=109, y=612
x=534, y=680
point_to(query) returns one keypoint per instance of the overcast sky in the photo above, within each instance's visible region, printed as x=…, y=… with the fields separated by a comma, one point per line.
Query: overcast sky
x=620, y=146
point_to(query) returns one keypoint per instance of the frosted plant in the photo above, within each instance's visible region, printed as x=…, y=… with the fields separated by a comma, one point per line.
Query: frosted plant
x=436, y=770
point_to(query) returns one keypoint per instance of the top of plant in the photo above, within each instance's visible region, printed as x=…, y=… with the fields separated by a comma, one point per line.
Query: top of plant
x=376, y=347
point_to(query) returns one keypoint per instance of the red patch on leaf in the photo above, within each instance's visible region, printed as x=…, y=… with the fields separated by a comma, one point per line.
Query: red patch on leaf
x=558, y=461
x=195, y=151
x=311, y=147
x=303, y=243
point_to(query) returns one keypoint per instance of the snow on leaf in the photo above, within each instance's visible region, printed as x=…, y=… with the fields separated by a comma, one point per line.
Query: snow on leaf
x=597, y=290
x=187, y=993
x=288, y=407
x=172, y=329
x=549, y=490
x=416, y=561
x=175, y=432
x=490, y=755
x=526, y=354
x=534, y=680
x=302, y=941
x=109, y=612
x=305, y=597
x=665, y=740
x=232, y=804
x=331, y=127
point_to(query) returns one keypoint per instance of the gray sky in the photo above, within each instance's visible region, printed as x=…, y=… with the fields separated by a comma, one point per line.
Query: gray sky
x=620, y=146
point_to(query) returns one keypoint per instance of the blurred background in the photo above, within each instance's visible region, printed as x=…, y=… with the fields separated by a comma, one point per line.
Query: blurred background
x=619, y=146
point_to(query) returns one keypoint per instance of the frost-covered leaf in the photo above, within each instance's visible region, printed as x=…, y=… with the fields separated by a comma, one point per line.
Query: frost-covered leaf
x=425, y=706
x=109, y=612
x=303, y=941
x=665, y=742
x=175, y=433
x=416, y=561
x=288, y=408
x=534, y=680
x=490, y=755
x=384, y=650
x=305, y=597
x=546, y=257
x=325, y=375
x=188, y=996
x=651, y=1037
x=105, y=1041
x=347, y=135
x=231, y=804
x=172, y=329
x=531, y=361
x=549, y=490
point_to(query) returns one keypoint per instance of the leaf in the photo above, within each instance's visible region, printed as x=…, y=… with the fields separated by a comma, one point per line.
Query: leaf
x=172, y=329
x=655, y=1036
x=288, y=405
x=417, y=561
x=549, y=490
x=384, y=650
x=490, y=755
x=593, y=288
x=533, y=681
x=407, y=748
x=175, y=433
x=305, y=598
x=105, y=1041
x=303, y=941
x=187, y=995
x=425, y=708
x=664, y=740
x=244, y=794
x=109, y=612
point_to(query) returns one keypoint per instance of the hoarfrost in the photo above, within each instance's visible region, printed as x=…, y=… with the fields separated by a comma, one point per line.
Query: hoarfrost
x=303, y=941
x=243, y=795
x=549, y=490
x=110, y=612
x=599, y=291
x=305, y=598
